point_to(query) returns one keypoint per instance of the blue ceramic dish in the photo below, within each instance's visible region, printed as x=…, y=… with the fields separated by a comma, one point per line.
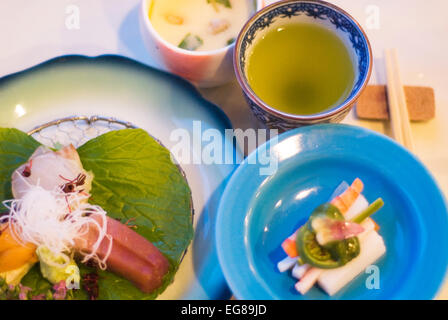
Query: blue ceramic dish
x=257, y=213
x=317, y=12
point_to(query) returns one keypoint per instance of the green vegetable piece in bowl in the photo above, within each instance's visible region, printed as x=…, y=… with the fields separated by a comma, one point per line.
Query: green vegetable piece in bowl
x=230, y=41
x=191, y=42
x=225, y=3
x=332, y=255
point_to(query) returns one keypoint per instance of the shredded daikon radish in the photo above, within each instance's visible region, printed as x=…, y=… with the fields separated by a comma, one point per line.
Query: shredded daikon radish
x=55, y=219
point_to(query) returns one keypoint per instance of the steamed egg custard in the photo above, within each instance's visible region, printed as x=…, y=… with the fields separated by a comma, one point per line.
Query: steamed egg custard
x=199, y=25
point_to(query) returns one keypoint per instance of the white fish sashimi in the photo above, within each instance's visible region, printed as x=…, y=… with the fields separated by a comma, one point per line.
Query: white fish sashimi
x=372, y=248
x=51, y=169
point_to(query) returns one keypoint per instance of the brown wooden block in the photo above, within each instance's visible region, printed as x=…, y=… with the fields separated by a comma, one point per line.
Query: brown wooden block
x=372, y=104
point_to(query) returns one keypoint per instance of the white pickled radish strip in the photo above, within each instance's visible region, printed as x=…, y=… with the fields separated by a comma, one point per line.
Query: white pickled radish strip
x=286, y=264
x=308, y=281
x=368, y=226
x=356, y=208
x=339, y=190
x=372, y=248
x=299, y=270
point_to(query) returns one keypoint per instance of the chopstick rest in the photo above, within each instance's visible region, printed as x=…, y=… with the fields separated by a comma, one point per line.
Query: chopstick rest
x=373, y=105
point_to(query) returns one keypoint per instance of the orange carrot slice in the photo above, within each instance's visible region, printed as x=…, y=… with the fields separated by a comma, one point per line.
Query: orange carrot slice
x=377, y=227
x=289, y=246
x=344, y=201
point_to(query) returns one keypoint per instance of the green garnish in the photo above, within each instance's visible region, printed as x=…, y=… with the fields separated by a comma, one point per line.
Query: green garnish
x=225, y=3
x=21, y=292
x=374, y=207
x=230, y=41
x=191, y=42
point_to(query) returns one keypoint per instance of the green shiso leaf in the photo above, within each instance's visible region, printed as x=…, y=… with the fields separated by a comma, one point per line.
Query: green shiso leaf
x=134, y=178
x=15, y=149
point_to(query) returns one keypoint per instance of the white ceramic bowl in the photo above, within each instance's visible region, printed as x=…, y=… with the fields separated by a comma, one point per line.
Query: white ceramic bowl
x=202, y=68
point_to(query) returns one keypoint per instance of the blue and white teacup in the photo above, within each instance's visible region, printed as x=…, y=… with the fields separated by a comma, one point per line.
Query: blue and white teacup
x=309, y=11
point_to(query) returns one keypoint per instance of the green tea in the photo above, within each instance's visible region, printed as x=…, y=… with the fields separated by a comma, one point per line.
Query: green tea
x=300, y=68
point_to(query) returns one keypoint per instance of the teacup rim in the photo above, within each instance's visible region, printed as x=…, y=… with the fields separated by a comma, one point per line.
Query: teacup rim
x=239, y=73
x=149, y=26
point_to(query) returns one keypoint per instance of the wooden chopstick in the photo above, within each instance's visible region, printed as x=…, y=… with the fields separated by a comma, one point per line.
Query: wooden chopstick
x=398, y=110
x=404, y=111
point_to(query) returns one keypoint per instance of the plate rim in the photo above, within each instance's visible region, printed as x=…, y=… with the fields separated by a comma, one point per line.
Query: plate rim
x=60, y=58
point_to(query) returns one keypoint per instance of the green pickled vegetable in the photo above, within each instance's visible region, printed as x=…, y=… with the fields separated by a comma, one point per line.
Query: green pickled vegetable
x=326, y=210
x=332, y=255
x=374, y=207
x=311, y=252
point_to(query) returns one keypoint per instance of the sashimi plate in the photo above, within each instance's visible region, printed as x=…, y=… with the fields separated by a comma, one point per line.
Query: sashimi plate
x=257, y=212
x=113, y=87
